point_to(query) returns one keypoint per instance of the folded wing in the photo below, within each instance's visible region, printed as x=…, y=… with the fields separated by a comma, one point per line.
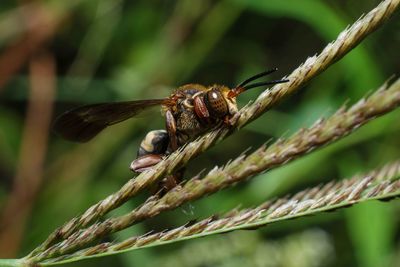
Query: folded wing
x=83, y=123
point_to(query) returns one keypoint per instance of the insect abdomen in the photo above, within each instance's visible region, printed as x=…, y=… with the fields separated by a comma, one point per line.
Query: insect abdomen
x=155, y=142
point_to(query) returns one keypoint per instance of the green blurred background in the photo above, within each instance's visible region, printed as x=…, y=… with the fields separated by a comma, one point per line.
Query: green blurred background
x=55, y=55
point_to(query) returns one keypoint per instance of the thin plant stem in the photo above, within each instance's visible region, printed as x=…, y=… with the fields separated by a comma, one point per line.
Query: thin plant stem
x=28, y=179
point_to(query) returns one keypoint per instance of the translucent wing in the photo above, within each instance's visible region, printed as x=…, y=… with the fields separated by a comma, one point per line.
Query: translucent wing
x=83, y=123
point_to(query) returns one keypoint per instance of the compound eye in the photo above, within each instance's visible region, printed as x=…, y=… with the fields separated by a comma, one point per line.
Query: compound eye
x=216, y=103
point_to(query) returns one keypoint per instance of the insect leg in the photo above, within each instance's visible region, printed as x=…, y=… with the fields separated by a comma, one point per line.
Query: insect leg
x=170, y=181
x=171, y=129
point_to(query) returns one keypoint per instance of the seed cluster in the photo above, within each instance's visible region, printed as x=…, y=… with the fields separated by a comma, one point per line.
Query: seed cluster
x=379, y=184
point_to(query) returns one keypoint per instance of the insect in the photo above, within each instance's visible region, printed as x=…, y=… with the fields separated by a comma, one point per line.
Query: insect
x=189, y=111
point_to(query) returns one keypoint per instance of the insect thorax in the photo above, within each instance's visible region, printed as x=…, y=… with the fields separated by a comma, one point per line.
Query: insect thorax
x=188, y=124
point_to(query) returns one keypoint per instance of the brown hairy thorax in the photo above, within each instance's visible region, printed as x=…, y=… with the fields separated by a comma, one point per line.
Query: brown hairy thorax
x=190, y=122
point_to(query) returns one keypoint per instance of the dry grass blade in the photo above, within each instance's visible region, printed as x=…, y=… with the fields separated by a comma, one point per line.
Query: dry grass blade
x=380, y=184
x=28, y=179
x=323, y=132
x=347, y=40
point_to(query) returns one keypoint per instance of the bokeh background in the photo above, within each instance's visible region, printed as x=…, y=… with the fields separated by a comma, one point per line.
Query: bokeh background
x=55, y=55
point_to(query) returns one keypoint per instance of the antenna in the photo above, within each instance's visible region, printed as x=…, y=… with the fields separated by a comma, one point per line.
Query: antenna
x=257, y=76
x=244, y=86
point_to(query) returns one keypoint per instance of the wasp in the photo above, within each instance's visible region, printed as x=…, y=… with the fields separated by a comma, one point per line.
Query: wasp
x=190, y=111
